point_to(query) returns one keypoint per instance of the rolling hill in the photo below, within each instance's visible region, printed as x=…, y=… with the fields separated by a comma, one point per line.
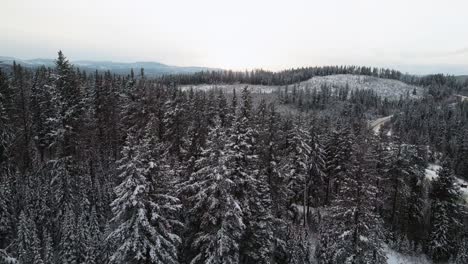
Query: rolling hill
x=151, y=68
x=391, y=89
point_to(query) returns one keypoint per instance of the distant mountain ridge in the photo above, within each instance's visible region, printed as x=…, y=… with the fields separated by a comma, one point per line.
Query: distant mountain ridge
x=151, y=68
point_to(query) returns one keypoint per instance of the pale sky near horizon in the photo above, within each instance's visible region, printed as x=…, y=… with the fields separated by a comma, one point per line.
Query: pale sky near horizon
x=241, y=34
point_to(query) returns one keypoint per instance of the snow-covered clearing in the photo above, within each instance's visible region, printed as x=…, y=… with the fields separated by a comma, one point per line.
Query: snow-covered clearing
x=387, y=88
x=431, y=174
x=391, y=89
x=394, y=257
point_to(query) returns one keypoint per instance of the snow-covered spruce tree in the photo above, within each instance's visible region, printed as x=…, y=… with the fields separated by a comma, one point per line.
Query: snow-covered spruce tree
x=5, y=122
x=43, y=110
x=108, y=245
x=6, y=216
x=27, y=241
x=143, y=232
x=258, y=241
x=331, y=139
x=243, y=168
x=223, y=111
x=174, y=116
x=93, y=241
x=299, y=247
x=316, y=178
x=337, y=153
x=295, y=165
x=6, y=258
x=415, y=210
x=216, y=212
x=69, y=239
x=267, y=124
x=196, y=132
x=36, y=245
x=83, y=234
x=269, y=157
x=462, y=254
x=462, y=156
x=24, y=240
x=352, y=232
x=446, y=217
x=47, y=247
x=394, y=188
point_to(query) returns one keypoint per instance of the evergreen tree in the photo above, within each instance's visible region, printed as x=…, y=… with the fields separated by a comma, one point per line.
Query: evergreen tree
x=215, y=209
x=462, y=156
x=296, y=165
x=69, y=241
x=93, y=240
x=353, y=231
x=445, y=220
x=36, y=245
x=143, y=233
x=462, y=255
x=47, y=249
x=24, y=240
x=6, y=217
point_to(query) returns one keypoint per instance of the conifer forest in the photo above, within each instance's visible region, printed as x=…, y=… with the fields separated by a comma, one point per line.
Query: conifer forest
x=226, y=167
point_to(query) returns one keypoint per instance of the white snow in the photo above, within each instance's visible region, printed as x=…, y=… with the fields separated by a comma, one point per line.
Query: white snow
x=389, y=133
x=431, y=174
x=387, y=88
x=462, y=97
x=394, y=257
x=431, y=171
x=391, y=89
x=463, y=190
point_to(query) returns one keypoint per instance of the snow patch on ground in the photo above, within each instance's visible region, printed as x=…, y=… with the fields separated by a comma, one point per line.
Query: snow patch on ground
x=431, y=174
x=394, y=257
x=431, y=171
x=462, y=97
x=463, y=189
x=389, y=133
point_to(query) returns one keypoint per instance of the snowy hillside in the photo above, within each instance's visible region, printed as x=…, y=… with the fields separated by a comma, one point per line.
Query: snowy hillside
x=391, y=89
x=385, y=87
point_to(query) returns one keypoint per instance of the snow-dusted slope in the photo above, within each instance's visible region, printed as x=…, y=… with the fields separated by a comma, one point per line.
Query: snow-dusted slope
x=384, y=87
x=391, y=89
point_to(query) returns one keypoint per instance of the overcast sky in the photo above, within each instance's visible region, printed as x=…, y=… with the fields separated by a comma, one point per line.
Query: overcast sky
x=411, y=35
